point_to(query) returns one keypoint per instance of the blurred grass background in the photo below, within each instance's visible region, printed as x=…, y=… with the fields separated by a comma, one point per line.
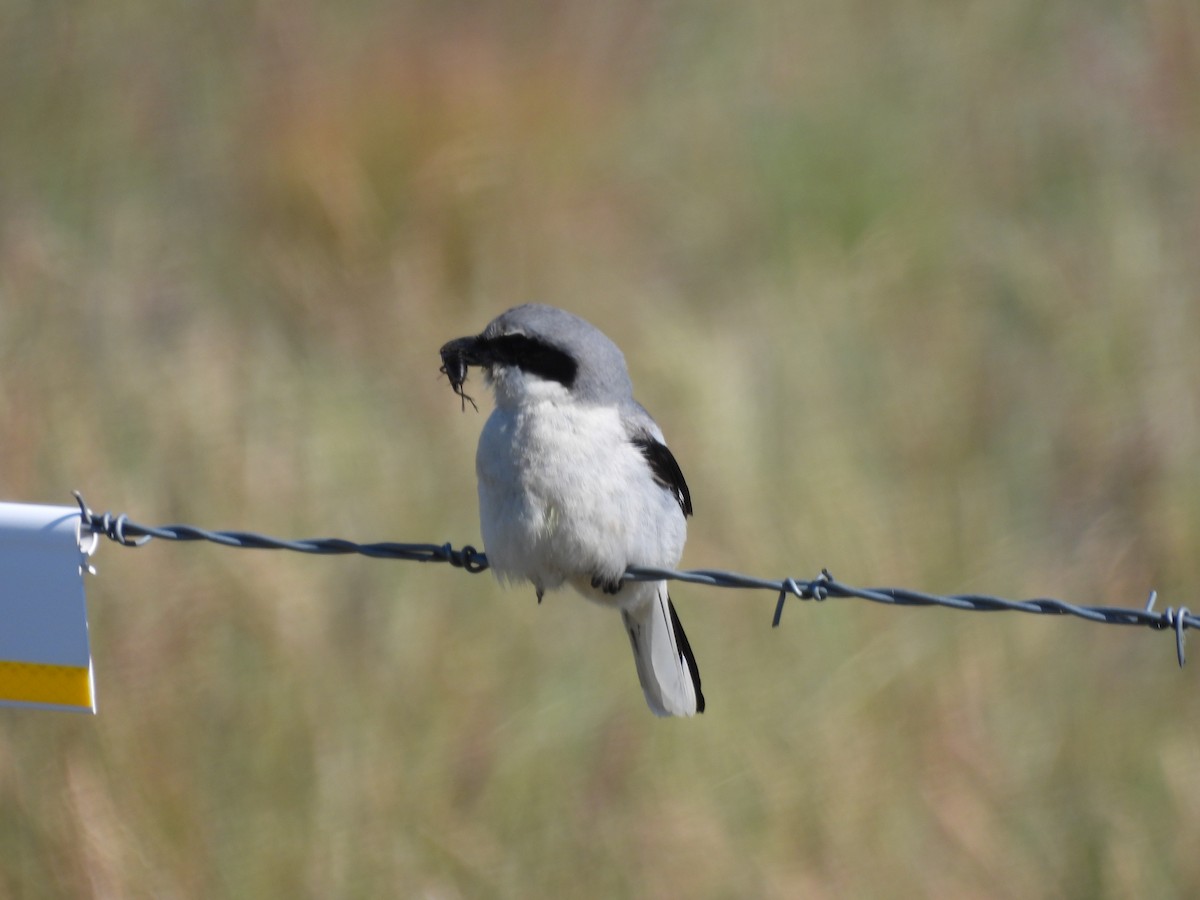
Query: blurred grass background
x=911, y=289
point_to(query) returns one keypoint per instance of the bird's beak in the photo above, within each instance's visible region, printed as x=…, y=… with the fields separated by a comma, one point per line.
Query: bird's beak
x=457, y=356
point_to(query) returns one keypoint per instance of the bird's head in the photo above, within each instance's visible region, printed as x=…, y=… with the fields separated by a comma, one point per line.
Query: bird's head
x=540, y=352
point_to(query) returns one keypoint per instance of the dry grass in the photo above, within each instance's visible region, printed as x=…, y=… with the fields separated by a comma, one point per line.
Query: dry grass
x=912, y=292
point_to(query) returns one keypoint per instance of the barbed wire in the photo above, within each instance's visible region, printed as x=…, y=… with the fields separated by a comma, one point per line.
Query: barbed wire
x=122, y=530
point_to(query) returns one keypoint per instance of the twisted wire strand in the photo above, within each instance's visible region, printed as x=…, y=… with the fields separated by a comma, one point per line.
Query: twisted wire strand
x=122, y=530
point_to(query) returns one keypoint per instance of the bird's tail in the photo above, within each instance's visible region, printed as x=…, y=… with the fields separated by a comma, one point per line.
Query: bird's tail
x=665, y=664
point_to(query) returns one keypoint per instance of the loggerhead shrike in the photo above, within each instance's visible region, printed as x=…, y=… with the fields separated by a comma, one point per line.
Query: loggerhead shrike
x=576, y=483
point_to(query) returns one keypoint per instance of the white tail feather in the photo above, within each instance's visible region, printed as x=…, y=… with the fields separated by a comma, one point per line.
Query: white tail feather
x=665, y=664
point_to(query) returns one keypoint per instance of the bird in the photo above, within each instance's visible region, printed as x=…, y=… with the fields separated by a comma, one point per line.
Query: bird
x=576, y=483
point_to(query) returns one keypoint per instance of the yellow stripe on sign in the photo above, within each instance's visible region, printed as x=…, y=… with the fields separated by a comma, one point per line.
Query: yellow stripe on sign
x=24, y=682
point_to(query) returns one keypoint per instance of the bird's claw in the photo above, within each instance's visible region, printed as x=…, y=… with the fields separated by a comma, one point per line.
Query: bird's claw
x=608, y=585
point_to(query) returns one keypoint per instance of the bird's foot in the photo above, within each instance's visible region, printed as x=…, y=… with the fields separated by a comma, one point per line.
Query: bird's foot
x=608, y=585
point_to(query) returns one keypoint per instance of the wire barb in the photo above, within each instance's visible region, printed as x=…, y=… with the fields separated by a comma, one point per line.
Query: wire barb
x=804, y=590
x=130, y=534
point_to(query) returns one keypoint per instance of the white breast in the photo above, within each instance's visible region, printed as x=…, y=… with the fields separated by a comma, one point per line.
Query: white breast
x=564, y=496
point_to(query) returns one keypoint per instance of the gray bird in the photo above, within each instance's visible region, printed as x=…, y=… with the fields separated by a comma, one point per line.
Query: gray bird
x=576, y=483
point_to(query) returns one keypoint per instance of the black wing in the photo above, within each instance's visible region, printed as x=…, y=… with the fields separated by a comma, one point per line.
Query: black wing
x=666, y=470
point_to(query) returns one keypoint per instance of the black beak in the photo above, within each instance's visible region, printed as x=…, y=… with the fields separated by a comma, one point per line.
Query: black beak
x=457, y=356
